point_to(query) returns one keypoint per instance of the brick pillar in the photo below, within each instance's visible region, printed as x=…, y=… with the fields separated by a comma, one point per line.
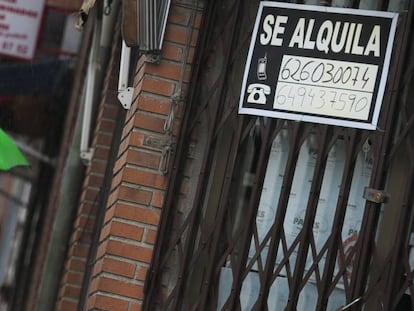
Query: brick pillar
x=139, y=184
x=82, y=231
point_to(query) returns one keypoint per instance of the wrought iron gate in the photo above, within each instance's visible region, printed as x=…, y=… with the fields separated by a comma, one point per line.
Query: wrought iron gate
x=266, y=214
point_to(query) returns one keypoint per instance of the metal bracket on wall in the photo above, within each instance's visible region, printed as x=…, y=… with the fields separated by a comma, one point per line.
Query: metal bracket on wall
x=153, y=57
x=375, y=195
x=156, y=142
x=125, y=97
x=166, y=147
x=86, y=156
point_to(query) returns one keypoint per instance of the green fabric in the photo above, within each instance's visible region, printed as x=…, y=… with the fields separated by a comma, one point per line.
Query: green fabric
x=10, y=155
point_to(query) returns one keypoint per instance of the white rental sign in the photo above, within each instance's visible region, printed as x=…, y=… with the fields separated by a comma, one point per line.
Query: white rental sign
x=19, y=27
x=318, y=64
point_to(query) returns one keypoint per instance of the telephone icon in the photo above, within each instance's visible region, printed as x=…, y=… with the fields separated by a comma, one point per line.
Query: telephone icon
x=257, y=93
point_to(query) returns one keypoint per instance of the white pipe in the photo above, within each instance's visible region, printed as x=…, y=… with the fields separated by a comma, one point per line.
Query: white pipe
x=124, y=67
x=93, y=66
x=87, y=112
x=101, y=41
x=125, y=92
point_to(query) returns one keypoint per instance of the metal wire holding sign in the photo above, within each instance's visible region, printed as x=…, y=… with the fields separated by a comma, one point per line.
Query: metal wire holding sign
x=346, y=307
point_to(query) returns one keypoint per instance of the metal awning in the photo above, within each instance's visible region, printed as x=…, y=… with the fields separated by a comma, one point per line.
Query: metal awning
x=143, y=23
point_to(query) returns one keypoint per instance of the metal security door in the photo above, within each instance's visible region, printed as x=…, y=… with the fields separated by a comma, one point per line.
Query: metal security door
x=268, y=214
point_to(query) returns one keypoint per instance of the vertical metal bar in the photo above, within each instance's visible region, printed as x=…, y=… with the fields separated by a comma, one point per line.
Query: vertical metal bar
x=339, y=217
x=195, y=220
x=190, y=243
x=265, y=282
x=309, y=218
x=401, y=237
x=218, y=232
x=403, y=229
x=371, y=215
x=251, y=212
x=354, y=4
x=168, y=210
x=383, y=5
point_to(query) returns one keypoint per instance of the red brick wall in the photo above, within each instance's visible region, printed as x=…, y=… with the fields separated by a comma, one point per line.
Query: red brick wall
x=138, y=187
x=81, y=239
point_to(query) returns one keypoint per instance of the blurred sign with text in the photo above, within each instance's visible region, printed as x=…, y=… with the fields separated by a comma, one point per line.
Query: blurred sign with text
x=20, y=22
x=318, y=64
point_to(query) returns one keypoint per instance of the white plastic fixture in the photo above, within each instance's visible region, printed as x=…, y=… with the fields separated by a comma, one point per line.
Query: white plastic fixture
x=125, y=92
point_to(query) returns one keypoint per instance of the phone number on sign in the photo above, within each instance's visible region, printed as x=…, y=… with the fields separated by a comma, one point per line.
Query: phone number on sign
x=322, y=101
x=328, y=73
